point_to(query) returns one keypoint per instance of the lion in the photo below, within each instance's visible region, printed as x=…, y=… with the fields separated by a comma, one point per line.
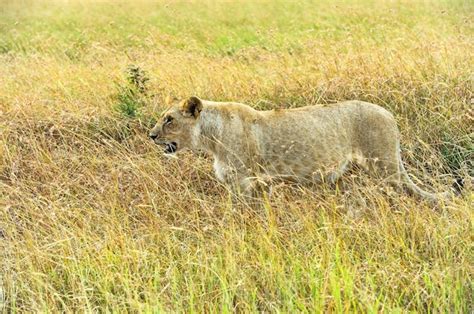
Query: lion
x=308, y=144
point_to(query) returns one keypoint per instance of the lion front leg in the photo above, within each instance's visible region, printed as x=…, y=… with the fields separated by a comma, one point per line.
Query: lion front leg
x=255, y=187
x=236, y=182
x=248, y=189
x=243, y=183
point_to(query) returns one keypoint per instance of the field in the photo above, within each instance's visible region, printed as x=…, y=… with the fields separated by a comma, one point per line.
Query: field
x=93, y=215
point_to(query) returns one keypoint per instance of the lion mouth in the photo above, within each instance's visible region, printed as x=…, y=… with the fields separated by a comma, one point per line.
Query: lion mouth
x=171, y=147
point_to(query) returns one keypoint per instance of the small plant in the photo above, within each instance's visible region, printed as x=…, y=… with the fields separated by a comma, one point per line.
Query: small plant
x=132, y=96
x=137, y=78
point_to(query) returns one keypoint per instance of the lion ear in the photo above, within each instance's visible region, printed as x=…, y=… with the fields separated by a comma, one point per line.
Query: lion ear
x=192, y=106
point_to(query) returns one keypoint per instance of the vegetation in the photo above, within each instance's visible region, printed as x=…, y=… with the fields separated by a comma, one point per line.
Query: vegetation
x=132, y=96
x=93, y=216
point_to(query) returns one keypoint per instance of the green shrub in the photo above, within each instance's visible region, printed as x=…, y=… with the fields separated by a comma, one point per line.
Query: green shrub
x=131, y=97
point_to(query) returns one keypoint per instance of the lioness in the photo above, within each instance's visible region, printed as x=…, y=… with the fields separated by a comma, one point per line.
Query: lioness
x=313, y=143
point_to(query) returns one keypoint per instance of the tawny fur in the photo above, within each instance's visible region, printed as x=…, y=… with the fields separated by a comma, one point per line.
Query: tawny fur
x=312, y=143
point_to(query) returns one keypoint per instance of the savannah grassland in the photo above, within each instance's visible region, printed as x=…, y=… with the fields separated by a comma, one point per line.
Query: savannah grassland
x=93, y=216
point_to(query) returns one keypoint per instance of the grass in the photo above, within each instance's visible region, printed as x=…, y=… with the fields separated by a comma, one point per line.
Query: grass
x=92, y=216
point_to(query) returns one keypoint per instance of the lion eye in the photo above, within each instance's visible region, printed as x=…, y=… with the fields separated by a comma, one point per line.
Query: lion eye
x=168, y=120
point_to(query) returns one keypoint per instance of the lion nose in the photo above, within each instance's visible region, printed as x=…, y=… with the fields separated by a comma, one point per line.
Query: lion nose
x=153, y=136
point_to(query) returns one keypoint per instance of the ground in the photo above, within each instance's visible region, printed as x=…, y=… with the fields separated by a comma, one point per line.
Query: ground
x=92, y=215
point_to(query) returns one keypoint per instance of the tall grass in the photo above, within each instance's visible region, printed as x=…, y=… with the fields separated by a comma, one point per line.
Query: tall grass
x=93, y=216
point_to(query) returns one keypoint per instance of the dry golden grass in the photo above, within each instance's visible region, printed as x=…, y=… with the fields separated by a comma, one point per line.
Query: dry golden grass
x=93, y=216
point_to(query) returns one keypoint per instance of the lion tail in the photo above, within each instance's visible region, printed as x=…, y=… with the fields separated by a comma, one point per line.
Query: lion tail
x=432, y=197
